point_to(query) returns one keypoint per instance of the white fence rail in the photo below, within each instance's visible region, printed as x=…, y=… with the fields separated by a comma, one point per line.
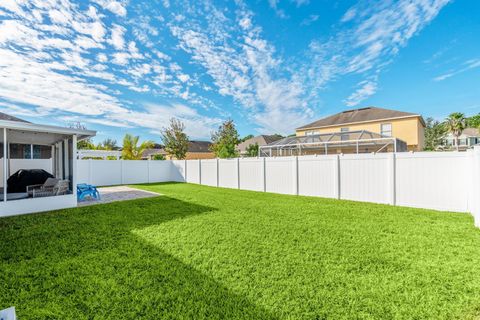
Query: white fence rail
x=444, y=181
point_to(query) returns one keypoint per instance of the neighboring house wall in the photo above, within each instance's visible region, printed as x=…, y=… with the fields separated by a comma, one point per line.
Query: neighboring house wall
x=200, y=155
x=468, y=138
x=410, y=130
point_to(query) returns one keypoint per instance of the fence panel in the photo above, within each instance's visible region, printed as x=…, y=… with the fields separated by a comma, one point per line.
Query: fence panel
x=279, y=175
x=209, y=172
x=159, y=171
x=433, y=180
x=251, y=174
x=134, y=171
x=104, y=172
x=83, y=171
x=178, y=171
x=366, y=177
x=193, y=171
x=317, y=176
x=228, y=172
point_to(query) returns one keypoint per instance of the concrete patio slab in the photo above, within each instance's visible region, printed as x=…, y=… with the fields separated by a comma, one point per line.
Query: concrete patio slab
x=119, y=193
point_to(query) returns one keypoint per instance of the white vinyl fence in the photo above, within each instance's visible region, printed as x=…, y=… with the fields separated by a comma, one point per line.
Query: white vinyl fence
x=117, y=172
x=447, y=181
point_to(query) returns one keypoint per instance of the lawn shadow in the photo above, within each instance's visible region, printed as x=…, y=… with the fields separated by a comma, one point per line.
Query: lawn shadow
x=85, y=263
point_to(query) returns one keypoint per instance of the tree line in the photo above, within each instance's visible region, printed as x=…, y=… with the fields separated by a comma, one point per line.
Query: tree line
x=436, y=131
x=175, y=142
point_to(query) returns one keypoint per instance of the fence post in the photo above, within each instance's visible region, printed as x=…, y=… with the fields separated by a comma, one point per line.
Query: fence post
x=218, y=172
x=336, y=177
x=238, y=173
x=475, y=195
x=90, y=171
x=199, y=171
x=264, y=174
x=392, y=175
x=121, y=171
x=295, y=175
x=148, y=170
x=185, y=170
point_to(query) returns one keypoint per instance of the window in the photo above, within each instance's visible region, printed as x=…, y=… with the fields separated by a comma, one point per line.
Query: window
x=343, y=136
x=24, y=151
x=386, y=129
x=311, y=132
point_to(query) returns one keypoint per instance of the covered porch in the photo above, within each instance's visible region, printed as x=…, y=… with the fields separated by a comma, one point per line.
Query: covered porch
x=32, y=185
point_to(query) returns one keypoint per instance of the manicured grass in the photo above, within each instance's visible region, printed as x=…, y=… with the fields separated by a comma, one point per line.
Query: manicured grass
x=199, y=252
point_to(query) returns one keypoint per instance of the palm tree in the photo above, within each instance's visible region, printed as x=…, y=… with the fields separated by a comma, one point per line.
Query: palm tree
x=131, y=150
x=455, y=124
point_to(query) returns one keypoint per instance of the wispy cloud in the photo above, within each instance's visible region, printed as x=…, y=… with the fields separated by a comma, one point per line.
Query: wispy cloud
x=369, y=37
x=467, y=65
x=311, y=19
x=365, y=89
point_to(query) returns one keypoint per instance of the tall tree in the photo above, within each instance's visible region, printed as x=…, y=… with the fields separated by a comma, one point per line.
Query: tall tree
x=474, y=121
x=435, y=132
x=455, y=124
x=225, y=140
x=175, y=139
x=252, y=150
x=131, y=150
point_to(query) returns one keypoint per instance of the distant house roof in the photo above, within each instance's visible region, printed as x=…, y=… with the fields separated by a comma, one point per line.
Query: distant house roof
x=359, y=115
x=471, y=132
x=199, y=146
x=261, y=140
x=157, y=149
x=193, y=146
x=7, y=117
x=467, y=133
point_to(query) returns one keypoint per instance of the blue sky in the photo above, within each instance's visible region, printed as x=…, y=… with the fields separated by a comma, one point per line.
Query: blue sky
x=123, y=66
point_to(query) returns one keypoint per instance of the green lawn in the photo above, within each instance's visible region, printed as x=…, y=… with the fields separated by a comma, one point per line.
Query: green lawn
x=199, y=252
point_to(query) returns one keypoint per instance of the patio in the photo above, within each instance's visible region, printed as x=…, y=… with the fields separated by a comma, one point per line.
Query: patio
x=118, y=193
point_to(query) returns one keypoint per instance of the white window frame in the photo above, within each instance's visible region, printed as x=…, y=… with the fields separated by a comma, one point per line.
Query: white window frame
x=387, y=133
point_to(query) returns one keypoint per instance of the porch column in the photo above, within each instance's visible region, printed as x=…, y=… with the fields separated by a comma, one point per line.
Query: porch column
x=74, y=165
x=5, y=163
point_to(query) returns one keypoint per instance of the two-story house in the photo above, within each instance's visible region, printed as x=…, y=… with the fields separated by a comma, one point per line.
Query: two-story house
x=406, y=126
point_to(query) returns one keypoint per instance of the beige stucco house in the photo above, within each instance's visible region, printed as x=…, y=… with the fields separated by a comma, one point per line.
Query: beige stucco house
x=406, y=126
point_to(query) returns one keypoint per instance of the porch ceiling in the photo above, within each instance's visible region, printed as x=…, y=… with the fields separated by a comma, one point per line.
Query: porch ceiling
x=29, y=137
x=30, y=133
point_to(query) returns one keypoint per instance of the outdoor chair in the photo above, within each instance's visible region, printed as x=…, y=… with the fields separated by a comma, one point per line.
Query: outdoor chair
x=84, y=190
x=51, y=187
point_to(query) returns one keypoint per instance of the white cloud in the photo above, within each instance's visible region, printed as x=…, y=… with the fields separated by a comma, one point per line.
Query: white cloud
x=115, y=7
x=365, y=90
x=468, y=65
x=25, y=81
x=311, y=19
x=157, y=116
x=117, y=40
